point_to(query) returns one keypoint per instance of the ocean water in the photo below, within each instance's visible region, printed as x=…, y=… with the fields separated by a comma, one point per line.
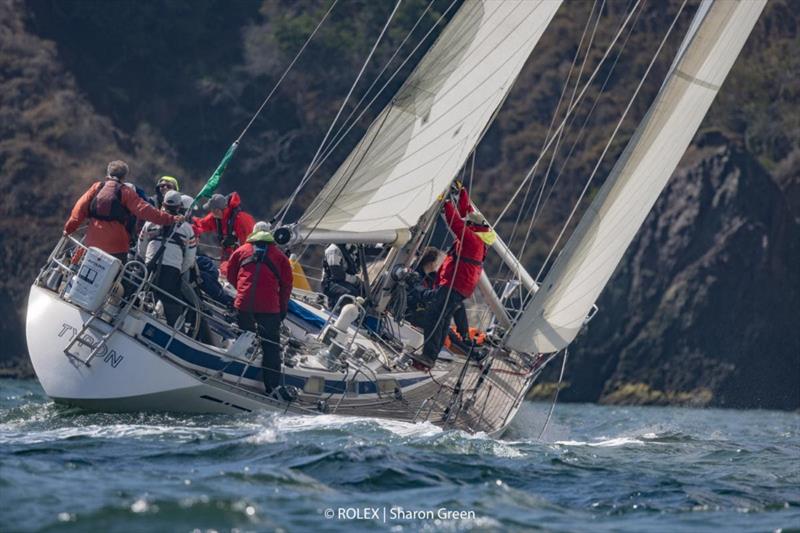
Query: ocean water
x=596, y=468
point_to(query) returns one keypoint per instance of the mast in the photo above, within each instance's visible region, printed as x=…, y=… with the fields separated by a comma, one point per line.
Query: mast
x=557, y=312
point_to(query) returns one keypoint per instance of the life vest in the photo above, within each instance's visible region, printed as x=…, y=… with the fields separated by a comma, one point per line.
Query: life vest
x=228, y=238
x=107, y=203
x=260, y=256
x=166, y=236
x=468, y=260
x=350, y=265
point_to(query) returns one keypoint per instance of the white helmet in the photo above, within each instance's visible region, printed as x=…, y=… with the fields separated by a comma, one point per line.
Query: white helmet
x=186, y=201
x=172, y=199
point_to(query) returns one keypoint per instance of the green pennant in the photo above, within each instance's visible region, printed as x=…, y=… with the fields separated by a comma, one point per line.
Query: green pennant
x=213, y=182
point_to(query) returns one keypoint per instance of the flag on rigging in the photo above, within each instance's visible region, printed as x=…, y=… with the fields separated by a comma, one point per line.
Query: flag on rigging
x=213, y=182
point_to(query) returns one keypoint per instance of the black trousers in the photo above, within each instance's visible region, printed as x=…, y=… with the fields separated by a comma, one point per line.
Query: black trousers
x=437, y=322
x=268, y=327
x=336, y=289
x=168, y=279
x=462, y=322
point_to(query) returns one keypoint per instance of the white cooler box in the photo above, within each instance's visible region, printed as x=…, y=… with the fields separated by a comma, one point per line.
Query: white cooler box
x=90, y=286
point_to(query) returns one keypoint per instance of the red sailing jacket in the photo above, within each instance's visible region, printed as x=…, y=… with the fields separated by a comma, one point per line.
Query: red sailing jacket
x=111, y=236
x=463, y=265
x=258, y=290
x=241, y=224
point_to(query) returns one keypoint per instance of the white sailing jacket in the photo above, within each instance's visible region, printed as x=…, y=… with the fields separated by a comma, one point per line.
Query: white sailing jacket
x=181, y=248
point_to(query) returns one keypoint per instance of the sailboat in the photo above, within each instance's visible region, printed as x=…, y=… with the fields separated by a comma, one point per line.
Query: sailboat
x=93, y=348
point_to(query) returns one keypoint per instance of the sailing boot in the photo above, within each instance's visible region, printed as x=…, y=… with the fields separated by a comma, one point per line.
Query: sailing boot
x=421, y=361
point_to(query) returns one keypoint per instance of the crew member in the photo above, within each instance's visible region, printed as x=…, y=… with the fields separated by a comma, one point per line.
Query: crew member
x=421, y=292
x=231, y=224
x=163, y=186
x=458, y=275
x=340, y=268
x=169, y=251
x=108, y=205
x=262, y=275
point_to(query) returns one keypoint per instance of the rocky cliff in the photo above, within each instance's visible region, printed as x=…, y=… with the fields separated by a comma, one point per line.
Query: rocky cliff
x=704, y=309
x=53, y=144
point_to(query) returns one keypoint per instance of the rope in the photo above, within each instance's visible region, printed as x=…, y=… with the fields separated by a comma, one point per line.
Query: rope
x=555, y=396
x=285, y=72
x=291, y=199
x=271, y=93
x=611, y=139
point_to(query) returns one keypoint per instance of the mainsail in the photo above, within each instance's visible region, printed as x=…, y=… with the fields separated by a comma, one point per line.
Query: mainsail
x=558, y=310
x=417, y=144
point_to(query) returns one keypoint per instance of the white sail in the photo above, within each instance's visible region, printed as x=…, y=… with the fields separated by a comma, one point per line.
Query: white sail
x=415, y=147
x=557, y=311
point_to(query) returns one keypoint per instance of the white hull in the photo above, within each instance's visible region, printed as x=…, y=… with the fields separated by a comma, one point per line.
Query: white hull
x=143, y=368
x=124, y=376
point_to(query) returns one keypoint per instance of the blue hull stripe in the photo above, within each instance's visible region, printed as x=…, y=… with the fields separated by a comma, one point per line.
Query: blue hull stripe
x=235, y=368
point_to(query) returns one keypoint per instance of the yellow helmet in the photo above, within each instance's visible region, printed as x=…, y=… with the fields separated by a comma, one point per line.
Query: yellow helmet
x=169, y=179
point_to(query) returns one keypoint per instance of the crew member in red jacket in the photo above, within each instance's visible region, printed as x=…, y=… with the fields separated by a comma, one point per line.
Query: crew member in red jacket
x=231, y=224
x=262, y=275
x=108, y=205
x=458, y=275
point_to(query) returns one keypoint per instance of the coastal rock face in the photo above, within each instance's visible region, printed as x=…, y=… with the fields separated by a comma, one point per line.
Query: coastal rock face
x=53, y=145
x=704, y=308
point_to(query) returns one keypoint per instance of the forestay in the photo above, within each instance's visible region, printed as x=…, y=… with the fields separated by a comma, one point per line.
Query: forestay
x=415, y=147
x=556, y=313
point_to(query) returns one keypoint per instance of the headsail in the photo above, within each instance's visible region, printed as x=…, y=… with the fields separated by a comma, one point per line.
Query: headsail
x=556, y=313
x=417, y=144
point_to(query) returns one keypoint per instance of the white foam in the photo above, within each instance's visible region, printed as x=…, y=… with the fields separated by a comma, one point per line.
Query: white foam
x=608, y=443
x=402, y=429
x=18, y=435
x=265, y=436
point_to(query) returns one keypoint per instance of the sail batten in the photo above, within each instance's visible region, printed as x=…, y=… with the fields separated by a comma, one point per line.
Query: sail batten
x=418, y=143
x=557, y=312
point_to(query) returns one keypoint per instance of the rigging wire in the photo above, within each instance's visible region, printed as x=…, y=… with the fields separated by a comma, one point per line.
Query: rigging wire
x=374, y=137
x=339, y=137
x=238, y=140
x=291, y=199
x=285, y=72
x=444, y=113
x=611, y=138
x=538, y=205
x=570, y=110
x=560, y=134
x=555, y=395
x=550, y=128
x=357, y=107
x=582, y=129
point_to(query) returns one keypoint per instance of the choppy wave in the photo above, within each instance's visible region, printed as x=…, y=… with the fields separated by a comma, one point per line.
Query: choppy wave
x=618, y=468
